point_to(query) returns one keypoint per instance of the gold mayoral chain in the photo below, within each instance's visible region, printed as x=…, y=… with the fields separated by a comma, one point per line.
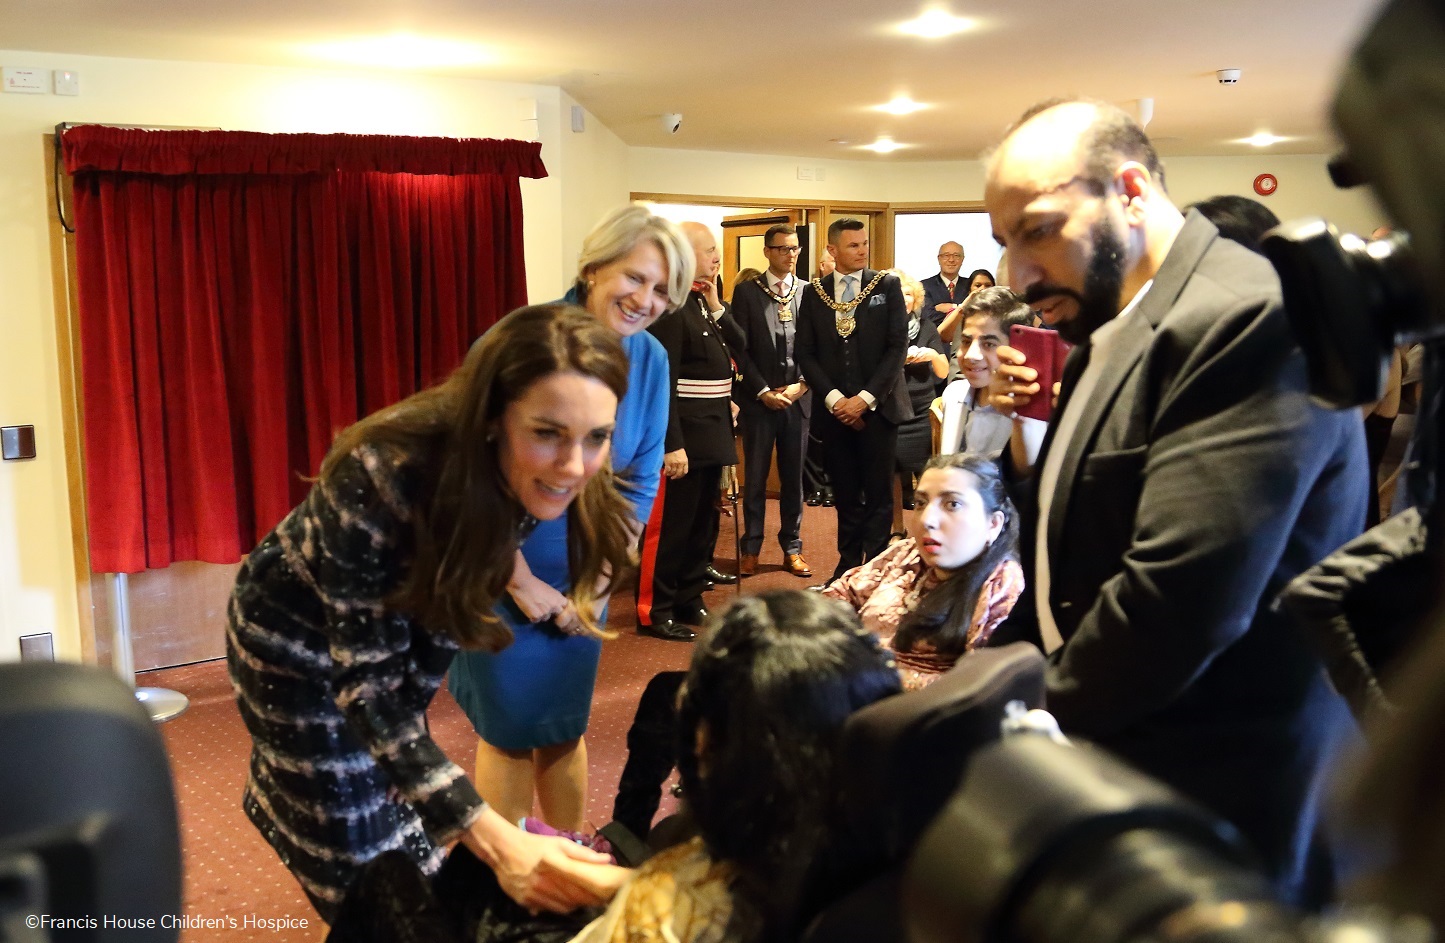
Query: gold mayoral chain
x=784, y=302
x=846, y=322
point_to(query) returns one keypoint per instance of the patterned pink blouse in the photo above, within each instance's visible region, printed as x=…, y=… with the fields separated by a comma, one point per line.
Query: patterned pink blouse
x=888, y=587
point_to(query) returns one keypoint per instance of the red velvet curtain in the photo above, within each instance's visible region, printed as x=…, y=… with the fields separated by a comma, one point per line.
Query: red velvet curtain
x=244, y=296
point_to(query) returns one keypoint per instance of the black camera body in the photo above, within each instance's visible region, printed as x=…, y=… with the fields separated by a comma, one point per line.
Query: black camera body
x=1050, y=842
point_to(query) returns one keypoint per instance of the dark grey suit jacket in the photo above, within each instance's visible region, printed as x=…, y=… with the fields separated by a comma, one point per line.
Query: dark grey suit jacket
x=763, y=359
x=870, y=359
x=1199, y=481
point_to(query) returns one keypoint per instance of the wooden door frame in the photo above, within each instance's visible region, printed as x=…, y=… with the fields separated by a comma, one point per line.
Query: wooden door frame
x=64, y=291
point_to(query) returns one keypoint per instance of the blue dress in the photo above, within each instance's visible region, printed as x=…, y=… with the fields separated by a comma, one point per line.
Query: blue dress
x=538, y=691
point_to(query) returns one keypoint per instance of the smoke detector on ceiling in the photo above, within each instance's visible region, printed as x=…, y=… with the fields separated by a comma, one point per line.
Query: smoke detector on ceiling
x=1228, y=76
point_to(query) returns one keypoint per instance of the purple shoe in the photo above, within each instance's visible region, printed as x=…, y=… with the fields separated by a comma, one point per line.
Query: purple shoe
x=594, y=841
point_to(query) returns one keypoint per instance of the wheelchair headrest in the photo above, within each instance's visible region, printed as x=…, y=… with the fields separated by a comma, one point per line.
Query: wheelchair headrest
x=88, y=823
x=905, y=755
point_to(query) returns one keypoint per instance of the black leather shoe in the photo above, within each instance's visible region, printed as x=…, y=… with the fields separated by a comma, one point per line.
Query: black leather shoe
x=827, y=497
x=689, y=616
x=669, y=631
x=714, y=575
x=814, y=499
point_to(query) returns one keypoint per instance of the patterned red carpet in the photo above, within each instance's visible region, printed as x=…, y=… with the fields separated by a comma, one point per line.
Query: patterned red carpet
x=230, y=871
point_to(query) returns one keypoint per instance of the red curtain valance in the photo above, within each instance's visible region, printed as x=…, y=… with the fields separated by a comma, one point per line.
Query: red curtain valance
x=99, y=148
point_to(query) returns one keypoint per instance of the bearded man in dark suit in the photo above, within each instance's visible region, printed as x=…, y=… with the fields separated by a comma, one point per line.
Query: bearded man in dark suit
x=1185, y=479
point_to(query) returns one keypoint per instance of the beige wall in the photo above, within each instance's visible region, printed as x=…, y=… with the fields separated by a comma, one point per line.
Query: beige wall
x=38, y=591
x=591, y=172
x=1304, y=185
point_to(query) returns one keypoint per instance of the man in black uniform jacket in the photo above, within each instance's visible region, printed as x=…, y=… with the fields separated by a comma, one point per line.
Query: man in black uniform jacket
x=852, y=338
x=700, y=338
x=772, y=400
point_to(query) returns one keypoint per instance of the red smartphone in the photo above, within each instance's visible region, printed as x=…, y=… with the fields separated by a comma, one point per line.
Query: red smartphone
x=1045, y=351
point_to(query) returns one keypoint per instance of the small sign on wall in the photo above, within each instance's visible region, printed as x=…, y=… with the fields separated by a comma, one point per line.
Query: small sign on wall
x=26, y=81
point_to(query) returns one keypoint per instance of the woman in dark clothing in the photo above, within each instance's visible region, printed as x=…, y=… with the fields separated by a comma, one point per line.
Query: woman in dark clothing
x=924, y=370
x=345, y=618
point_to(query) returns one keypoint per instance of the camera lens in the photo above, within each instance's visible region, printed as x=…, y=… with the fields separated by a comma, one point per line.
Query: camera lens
x=1149, y=885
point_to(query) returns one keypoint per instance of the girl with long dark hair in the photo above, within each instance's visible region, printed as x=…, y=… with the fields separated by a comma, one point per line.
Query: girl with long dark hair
x=942, y=591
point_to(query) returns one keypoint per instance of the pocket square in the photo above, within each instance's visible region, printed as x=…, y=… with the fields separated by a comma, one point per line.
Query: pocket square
x=876, y=300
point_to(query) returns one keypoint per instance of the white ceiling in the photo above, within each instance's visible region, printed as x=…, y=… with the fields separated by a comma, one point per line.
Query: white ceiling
x=783, y=77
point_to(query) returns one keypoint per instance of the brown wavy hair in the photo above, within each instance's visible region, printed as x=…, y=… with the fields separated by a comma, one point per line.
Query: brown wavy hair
x=467, y=529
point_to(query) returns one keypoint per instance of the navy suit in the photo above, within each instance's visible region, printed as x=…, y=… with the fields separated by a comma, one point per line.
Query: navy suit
x=859, y=462
x=935, y=292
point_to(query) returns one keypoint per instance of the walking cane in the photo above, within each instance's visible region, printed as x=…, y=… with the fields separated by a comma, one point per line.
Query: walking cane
x=730, y=491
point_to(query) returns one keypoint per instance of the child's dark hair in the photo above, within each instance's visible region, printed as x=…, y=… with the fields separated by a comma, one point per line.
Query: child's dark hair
x=759, y=725
x=944, y=617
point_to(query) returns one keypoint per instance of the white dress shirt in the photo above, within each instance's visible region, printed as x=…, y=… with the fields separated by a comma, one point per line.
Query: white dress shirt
x=1102, y=343
x=838, y=282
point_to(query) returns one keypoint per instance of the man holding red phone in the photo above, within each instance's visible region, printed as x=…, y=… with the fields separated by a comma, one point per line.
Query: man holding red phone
x=1186, y=477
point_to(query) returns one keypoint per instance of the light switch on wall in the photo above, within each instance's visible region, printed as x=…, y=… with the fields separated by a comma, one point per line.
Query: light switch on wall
x=17, y=442
x=67, y=82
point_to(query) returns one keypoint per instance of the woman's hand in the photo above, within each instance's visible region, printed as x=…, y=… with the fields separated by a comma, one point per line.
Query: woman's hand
x=541, y=872
x=537, y=600
x=569, y=623
x=602, y=881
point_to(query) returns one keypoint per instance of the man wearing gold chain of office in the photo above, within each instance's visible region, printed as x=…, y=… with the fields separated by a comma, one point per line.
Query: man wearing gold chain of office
x=851, y=341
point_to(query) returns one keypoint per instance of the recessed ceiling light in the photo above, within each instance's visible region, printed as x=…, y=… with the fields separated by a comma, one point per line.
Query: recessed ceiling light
x=403, y=51
x=902, y=105
x=883, y=146
x=1261, y=139
x=936, y=23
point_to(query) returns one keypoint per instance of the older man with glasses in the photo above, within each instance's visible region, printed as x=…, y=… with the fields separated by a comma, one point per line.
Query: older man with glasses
x=943, y=292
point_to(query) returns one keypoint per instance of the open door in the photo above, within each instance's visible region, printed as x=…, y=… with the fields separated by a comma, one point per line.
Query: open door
x=743, y=241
